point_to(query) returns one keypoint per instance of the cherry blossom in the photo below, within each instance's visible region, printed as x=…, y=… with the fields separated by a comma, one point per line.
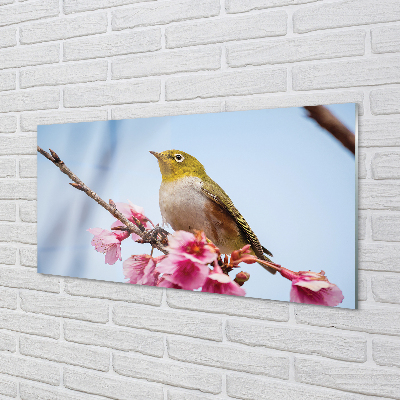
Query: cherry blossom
x=108, y=243
x=218, y=282
x=312, y=288
x=141, y=269
x=186, y=263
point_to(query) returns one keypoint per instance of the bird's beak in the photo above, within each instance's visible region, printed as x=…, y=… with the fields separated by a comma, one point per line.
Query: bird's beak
x=155, y=154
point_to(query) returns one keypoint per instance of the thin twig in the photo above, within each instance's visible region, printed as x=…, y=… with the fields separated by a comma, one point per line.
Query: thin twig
x=138, y=229
x=333, y=125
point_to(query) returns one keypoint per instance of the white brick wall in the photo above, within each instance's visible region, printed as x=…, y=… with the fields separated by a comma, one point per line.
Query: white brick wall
x=85, y=60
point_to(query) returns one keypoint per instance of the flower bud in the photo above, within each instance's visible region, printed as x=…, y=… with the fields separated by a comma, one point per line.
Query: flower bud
x=242, y=277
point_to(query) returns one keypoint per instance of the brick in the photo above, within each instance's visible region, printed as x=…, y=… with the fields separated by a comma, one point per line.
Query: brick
x=351, y=378
x=111, y=386
x=237, y=6
x=112, y=93
x=164, y=109
x=115, y=338
x=377, y=132
x=378, y=320
x=226, y=29
x=229, y=357
x=385, y=101
x=386, y=289
x=226, y=84
x=250, y=308
x=8, y=255
x=346, y=73
x=7, y=80
x=362, y=168
x=386, y=227
x=20, y=233
x=167, y=63
x=63, y=74
x=28, y=100
x=180, y=395
x=342, y=44
x=114, y=291
x=385, y=39
x=30, y=120
x=23, y=56
x=52, y=350
x=362, y=225
x=28, y=167
x=253, y=388
x=8, y=342
x=162, y=320
x=28, y=211
x=30, y=324
x=17, y=145
x=28, y=11
x=379, y=195
x=345, y=13
x=169, y=373
x=8, y=124
x=8, y=37
x=8, y=168
x=8, y=299
x=163, y=12
x=298, y=100
x=63, y=28
x=3, y=2
x=32, y=392
x=362, y=287
x=385, y=165
x=23, y=278
x=379, y=257
x=386, y=352
x=28, y=256
x=72, y=6
x=298, y=340
x=12, y=189
x=8, y=388
x=68, y=307
x=23, y=367
x=112, y=44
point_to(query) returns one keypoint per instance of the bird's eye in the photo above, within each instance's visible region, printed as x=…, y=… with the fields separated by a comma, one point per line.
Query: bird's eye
x=179, y=157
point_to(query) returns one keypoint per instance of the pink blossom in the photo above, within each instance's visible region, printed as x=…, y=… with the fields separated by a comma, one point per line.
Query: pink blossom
x=163, y=282
x=193, y=247
x=141, y=269
x=108, y=243
x=218, y=282
x=183, y=272
x=312, y=288
x=186, y=263
x=131, y=211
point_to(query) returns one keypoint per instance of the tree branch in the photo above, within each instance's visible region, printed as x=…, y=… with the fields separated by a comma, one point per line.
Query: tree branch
x=333, y=125
x=138, y=229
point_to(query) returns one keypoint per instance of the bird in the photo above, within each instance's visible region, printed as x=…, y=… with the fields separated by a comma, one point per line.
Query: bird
x=191, y=201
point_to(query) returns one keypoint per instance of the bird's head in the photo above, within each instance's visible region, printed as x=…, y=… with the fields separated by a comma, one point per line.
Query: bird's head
x=174, y=164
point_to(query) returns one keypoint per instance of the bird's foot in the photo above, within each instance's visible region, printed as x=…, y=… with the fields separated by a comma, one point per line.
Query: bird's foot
x=157, y=234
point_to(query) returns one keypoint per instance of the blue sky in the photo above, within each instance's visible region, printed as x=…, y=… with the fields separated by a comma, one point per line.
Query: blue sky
x=291, y=180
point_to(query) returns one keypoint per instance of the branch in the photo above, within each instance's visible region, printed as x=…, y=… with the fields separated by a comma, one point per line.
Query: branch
x=333, y=125
x=139, y=229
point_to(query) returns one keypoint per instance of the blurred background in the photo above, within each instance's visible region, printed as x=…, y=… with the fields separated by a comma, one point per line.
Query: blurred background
x=292, y=181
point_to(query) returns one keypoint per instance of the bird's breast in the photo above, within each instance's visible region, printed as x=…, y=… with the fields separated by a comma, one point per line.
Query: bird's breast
x=182, y=203
x=185, y=207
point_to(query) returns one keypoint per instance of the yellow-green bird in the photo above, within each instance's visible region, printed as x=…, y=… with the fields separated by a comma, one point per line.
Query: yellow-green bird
x=190, y=200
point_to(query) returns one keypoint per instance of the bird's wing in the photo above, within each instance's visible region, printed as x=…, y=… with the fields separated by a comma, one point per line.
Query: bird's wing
x=214, y=192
